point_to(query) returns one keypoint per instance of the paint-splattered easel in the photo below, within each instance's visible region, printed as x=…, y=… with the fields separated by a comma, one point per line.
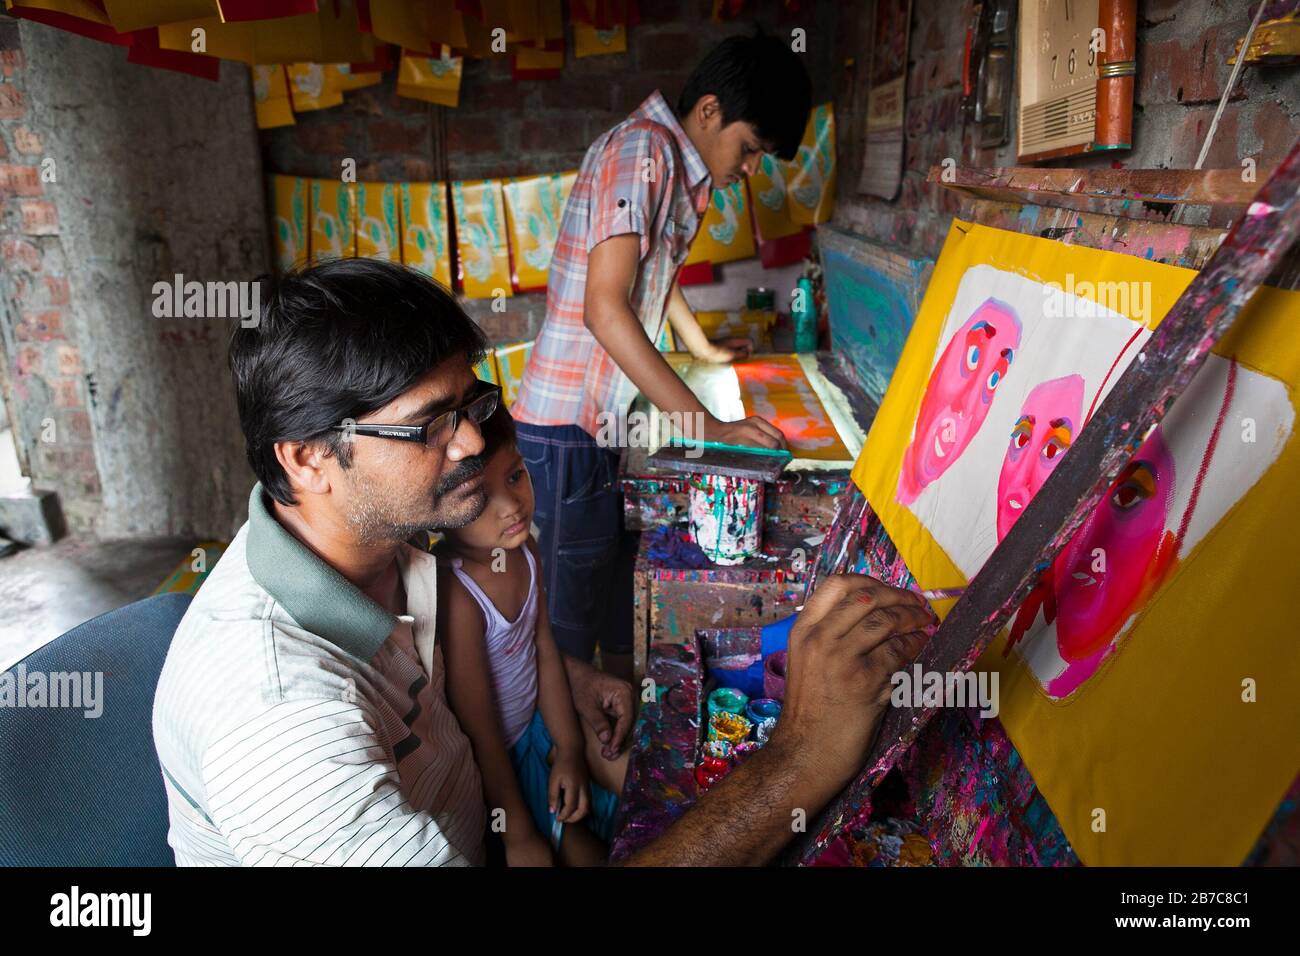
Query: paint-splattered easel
x=1255, y=248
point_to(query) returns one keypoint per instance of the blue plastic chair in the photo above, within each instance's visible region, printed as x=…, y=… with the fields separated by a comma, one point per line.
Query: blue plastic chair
x=80, y=791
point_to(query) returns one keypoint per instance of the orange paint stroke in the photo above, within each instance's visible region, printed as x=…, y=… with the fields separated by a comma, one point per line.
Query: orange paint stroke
x=776, y=388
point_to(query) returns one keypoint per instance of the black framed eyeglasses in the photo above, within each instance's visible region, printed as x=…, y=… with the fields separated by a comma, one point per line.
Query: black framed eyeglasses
x=437, y=432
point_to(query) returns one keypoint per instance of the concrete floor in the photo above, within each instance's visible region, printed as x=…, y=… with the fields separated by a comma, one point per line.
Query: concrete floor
x=47, y=591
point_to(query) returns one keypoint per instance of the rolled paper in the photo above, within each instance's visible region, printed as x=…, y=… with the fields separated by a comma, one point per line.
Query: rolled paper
x=764, y=729
x=729, y=727
x=727, y=699
x=762, y=708
x=726, y=517
x=774, y=675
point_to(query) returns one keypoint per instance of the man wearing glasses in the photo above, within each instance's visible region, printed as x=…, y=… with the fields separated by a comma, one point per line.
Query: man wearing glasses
x=301, y=717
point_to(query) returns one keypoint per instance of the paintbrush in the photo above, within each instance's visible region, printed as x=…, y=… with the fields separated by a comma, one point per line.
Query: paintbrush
x=940, y=594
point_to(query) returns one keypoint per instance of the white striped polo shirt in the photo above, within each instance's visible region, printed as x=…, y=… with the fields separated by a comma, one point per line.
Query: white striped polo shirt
x=296, y=728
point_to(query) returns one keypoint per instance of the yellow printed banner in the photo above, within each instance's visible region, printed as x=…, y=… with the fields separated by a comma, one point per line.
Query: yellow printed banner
x=333, y=219
x=346, y=79
x=425, y=235
x=271, y=96
x=810, y=179
x=290, y=212
x=378, y=233
x=588, y=41
x=1134, y=678
x=419, y=27
x=534, y=205
x=482, y=252
x=768, y=193
x=434, y=79
x=752, y=324
x=129, y=15
x=313, y=86
x=486, y=369
x=511, y=361
x=726, y=234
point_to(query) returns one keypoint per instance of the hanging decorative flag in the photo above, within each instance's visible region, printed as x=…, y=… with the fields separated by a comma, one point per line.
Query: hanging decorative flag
x=767, y=190
x=810, y=179
x=421, y=28
x=313, y=87
x=346, y=76
x=604, y=14
x=232, y=11
x=482, y=252
x=129, y=15
x=377, y=222
x=589, y=41
x=434, y=79
x=271, y=96
x=726, y=233
x=511, y=360
x=534, y=205
x=543, y=63
x=425, y=243
x=333, y=219
x=289, y=210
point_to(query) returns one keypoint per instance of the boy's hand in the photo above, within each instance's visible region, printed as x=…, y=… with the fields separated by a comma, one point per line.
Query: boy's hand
x=531, y=851
x=753, y=431
x=570, y=794
x=725, y=351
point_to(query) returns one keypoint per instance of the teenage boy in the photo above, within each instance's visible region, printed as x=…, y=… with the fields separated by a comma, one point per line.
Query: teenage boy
x=627, y=227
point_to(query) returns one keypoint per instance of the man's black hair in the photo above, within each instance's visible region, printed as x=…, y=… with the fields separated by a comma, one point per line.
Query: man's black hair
x=498, y=432
x=757, y=79
x=337, y=341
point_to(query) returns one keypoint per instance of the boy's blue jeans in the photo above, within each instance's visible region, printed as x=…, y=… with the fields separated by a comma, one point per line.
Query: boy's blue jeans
x=587, y=557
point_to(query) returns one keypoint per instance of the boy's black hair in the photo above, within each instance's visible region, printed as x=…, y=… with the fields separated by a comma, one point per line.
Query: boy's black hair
x=498, y=432
x=333, y=342
x=757, y=79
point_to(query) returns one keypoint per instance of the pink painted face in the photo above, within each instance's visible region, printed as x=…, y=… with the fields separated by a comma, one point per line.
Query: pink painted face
x=1116, y=559
x=958, y=396
x=1042, y=434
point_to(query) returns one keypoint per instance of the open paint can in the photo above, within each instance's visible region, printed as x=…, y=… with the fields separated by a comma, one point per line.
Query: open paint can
x=726, y=516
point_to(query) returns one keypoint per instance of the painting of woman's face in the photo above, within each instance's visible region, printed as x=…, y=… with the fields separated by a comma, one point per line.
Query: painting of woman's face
x=960, y=391
x=1043, y=432
x=1109, y=566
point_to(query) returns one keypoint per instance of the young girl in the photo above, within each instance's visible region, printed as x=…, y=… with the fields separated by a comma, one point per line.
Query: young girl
x=506, y=679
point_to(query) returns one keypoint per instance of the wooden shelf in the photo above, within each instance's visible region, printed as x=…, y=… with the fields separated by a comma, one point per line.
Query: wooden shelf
x=1085, y=189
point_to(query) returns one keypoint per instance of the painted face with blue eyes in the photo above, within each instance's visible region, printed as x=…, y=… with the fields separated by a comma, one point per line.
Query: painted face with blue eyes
x=960, y=391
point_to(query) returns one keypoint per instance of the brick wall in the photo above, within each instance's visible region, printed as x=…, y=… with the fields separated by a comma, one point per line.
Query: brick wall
x=45, y=386
x=127, y=416
x=504, y=128
x=1182, y=51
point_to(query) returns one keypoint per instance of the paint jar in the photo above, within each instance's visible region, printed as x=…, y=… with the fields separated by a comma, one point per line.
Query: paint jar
x=710, y=770
x=727, y=699
x=733, y=728
x=744, y=750
x=726, y=517
x=774, y=675
x=760, y=300
x=764, y=729
x=762, y=708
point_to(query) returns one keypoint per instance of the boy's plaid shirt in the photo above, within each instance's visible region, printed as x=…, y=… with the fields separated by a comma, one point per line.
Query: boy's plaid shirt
x=644, y=176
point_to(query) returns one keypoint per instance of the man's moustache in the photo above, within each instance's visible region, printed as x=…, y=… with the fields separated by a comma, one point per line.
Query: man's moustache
x=463, y=472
